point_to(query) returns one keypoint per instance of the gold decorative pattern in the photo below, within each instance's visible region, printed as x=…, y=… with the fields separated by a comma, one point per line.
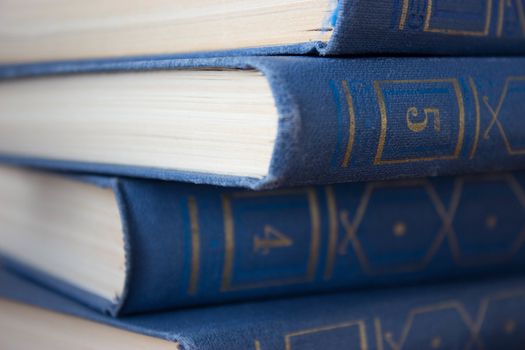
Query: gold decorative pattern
x=429, y=14
x=493, y=21
x=229, y=234
x=495, y=120
x=360, y=324
x=503, y=5
x=352, y=227
x=399, y=229
x=484, y=32
x=384, y=121
x=473, y=322
x=452, y=306
x=446, y=233
x=418, y=119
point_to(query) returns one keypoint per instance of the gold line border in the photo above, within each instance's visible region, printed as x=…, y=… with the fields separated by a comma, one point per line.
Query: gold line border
x=360, y=324
x=351, y=128
x=475, y=93
x=404, y=15
x=485, y=32
x=384, y=121
x=332, y=232
x=228, y=244
x=501, y=17
x=195, y=245
x=510, y=149
x=315, y=219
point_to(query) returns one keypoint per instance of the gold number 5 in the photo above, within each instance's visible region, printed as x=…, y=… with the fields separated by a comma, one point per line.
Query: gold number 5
x=418, y=126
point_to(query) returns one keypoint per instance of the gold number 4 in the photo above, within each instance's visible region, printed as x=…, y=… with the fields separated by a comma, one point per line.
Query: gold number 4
x=272, y=238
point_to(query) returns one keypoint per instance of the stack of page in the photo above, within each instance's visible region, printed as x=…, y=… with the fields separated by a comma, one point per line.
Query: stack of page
x=262, y=174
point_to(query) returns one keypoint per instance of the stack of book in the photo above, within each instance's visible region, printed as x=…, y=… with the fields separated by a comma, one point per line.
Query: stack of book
x=262, y=175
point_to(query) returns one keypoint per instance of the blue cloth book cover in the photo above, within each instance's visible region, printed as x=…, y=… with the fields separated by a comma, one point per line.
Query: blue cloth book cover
x=189, y=245
x=395, y=184
x=325, y=27
x=340, y=119
x=468, y=315
x=427, y=26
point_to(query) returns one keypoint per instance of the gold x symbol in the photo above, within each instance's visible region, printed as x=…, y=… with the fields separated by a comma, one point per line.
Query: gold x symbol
x=495, y=113
x=351, y=228
x=495, y=120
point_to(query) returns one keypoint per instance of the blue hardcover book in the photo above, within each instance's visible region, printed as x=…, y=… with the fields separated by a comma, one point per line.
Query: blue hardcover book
x=50, y=31
x=484, y=315
x=124, y=245
x=264, y=122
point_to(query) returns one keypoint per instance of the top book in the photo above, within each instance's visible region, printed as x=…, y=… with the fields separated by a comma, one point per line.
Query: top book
x=51, y=30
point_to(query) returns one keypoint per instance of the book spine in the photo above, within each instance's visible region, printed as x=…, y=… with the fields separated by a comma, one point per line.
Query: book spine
x=193, y=245
x=347, y=120
x=429, y=27
x=378, y=119
x=469, y=315
x=461, y=316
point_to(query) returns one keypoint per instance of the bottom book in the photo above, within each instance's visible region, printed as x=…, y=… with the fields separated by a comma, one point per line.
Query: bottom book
x=486, y=314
